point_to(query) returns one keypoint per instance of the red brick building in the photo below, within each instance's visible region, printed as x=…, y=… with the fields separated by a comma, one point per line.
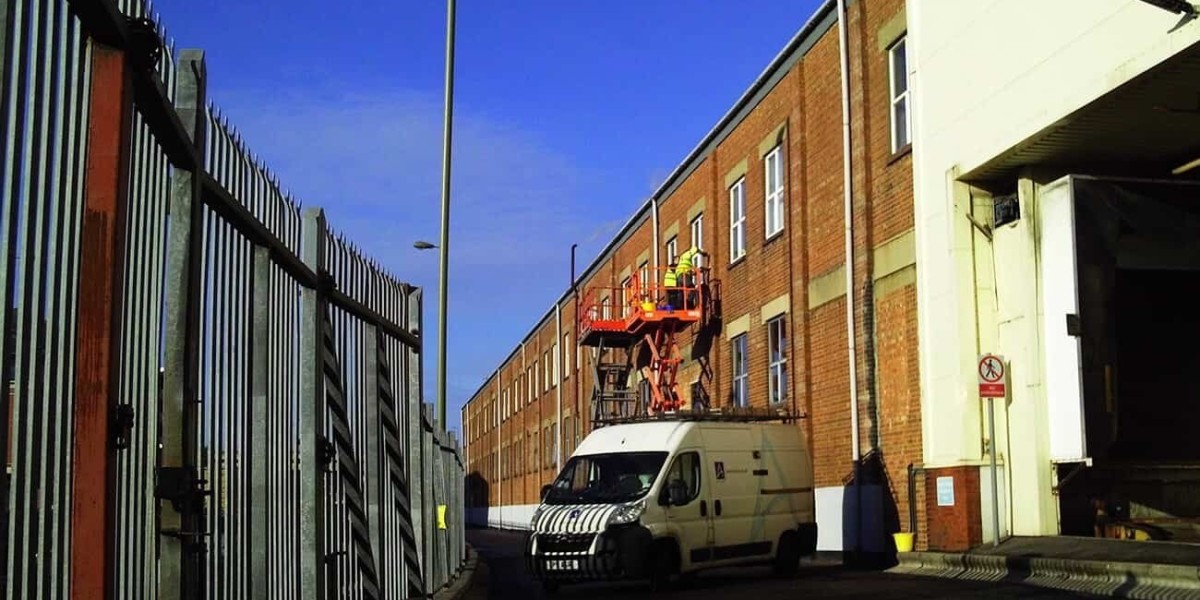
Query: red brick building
x=764, y=194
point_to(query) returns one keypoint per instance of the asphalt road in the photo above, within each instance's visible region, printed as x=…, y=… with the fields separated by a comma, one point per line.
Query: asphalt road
x=505, y=578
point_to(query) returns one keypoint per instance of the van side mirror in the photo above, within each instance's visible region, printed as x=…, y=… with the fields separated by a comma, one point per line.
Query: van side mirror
x=545, y=491
x=675, y=494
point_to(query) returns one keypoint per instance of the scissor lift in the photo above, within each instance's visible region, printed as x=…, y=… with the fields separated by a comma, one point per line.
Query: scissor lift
x=639, y=317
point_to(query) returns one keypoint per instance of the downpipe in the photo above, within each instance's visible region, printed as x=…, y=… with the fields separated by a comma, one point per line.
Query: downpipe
x=844, y=55
x=558, y=373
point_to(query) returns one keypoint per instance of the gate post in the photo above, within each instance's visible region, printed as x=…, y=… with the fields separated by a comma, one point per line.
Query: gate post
x=312, y=410
x=181, y=564
x=100, y=284
x=261, y=422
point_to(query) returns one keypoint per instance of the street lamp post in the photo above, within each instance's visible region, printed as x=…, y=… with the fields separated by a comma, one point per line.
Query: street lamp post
x=445, y=242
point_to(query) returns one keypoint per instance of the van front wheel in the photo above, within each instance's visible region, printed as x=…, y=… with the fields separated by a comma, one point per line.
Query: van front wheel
x=787, y=556
x=664, y=563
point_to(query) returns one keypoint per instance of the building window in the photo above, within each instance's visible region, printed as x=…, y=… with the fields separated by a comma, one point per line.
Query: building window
x=698, y=238
x=605, y=309
x=737, y=220
x=566, y=355
x=699, y=395
x=740, y=394
x=777, y=365
x=505, y=405
x=644, y=277
x=773, y=166
x=898, y=69
x=547, y=371
x=623, y=299
x=530, y=382
x=672, y=250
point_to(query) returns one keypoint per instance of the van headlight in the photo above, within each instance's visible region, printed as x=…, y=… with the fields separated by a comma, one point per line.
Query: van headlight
x=628, y=513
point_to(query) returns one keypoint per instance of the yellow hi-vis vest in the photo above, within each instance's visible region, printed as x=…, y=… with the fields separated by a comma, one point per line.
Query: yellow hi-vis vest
x=684, y=263
x=670, y=279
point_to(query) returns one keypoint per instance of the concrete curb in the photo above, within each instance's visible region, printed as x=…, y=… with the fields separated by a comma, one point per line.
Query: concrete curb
x=1116, y=579
x=461, y=585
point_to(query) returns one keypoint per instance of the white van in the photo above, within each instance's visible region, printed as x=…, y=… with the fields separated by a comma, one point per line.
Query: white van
x=657, y=498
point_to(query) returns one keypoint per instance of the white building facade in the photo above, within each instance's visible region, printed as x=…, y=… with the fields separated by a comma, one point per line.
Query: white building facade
x=1073, y=122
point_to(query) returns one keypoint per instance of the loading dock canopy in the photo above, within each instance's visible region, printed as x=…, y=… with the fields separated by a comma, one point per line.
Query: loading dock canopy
x=1148, y=126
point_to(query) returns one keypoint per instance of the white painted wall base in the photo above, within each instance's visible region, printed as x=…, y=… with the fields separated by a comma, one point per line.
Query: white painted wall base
x=502, y=517
x=840, y=516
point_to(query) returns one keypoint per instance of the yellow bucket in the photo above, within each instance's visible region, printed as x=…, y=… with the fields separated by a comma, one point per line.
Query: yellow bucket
x=904, y=541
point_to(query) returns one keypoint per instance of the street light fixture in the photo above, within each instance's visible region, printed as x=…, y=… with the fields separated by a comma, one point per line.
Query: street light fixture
x=423, y=245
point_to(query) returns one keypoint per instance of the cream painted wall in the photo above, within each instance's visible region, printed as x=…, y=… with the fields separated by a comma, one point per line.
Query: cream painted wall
x=986, y=75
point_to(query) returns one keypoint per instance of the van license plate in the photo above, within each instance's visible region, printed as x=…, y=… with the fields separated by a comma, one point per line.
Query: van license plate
x=562, y=565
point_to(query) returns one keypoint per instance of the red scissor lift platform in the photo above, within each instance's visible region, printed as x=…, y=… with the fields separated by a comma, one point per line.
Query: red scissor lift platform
x=639, y=316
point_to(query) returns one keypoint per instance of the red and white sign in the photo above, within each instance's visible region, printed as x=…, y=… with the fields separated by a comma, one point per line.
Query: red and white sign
x=993, y=377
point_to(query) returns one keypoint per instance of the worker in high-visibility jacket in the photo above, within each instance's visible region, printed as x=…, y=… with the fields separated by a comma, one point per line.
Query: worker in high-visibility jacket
x=686, y=271
x=671, y=284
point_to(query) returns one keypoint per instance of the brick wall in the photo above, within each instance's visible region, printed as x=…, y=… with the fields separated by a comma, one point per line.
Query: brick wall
x=804, y=107
x=899, y=408
x=959, y=526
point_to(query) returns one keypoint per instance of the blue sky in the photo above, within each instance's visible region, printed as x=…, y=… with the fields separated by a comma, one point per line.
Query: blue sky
x=566, y=118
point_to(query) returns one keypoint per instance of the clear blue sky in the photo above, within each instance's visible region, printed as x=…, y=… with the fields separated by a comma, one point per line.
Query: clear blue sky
x=567, y=116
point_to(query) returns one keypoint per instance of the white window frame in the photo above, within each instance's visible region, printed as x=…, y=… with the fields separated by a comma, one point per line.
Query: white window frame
x=773, y=172
x=530, y=381
x=741, y=379
x=737, y=220
x=777, y=386
x=605, y=309
x=899, y=99
x=547, y=371
x=672, y=249
x=697, y=227
x=644, y=276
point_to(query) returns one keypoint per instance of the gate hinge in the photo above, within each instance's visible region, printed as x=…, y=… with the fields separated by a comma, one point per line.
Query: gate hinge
x=181, y=487
x=326, y=454
x=192, y=540
x=122, y=425
x=145, y=44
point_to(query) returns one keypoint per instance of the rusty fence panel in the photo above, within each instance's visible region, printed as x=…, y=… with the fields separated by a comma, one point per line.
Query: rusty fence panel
x=267, y=434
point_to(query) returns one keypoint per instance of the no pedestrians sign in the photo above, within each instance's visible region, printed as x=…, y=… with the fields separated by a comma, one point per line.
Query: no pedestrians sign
x=993, y=376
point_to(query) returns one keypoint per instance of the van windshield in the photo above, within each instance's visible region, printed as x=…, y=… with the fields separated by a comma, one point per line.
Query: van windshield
x=605, y=478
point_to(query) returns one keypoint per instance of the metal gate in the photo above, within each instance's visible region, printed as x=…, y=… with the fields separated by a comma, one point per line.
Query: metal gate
x=209, y=393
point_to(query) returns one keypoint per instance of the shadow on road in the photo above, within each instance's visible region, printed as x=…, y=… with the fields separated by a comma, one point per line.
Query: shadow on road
x=505, y=578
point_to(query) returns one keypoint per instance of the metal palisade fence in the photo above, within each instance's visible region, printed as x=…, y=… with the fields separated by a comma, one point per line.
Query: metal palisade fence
x=209, y=394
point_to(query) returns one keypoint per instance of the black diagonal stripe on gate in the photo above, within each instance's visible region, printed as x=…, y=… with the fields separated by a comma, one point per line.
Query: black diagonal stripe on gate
x=395, y=466
x=335, y=401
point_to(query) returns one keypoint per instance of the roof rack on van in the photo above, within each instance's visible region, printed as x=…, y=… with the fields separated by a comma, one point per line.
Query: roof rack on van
x=729, y=414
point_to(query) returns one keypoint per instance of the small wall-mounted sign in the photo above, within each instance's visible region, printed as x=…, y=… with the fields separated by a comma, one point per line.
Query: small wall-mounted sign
x=945, y=491
x=1005, y=210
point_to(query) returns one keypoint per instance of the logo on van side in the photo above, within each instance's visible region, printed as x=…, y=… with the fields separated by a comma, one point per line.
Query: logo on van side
x=720, y=469
x=574, y=514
